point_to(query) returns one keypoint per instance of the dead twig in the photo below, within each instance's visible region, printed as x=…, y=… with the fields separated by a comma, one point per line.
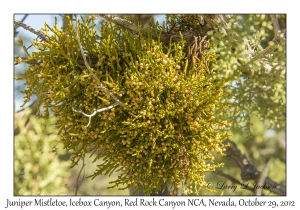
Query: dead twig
x=78, y=183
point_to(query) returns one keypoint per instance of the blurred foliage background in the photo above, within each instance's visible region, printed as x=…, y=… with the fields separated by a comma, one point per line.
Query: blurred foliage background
x=37, y=169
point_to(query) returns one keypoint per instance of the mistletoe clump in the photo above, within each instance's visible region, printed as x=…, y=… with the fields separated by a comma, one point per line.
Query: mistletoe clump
x=166, y=130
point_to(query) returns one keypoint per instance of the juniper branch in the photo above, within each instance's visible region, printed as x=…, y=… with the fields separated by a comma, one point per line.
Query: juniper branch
x=263, y=177
x=78, y=183
x=28, y=28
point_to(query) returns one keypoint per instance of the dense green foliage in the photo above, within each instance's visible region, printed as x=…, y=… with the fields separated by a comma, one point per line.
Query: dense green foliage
x=179, y=105
x=37, y=170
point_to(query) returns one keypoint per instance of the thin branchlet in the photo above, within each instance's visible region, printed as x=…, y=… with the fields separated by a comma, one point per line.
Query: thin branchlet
x=101, y=86
x=96, y=111
x=82, y=52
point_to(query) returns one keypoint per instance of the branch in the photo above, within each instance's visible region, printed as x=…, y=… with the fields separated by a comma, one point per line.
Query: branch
x=275, y=23
x=102, y=87
x=249, y=172
x=78, y=183
x=15, y=28
x=28, y=28
x=23, y=19
x=96, y=111
x=263, y=177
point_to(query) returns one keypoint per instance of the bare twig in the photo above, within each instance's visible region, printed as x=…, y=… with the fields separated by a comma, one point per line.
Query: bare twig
x=275, y=23
x=263, y=177
x=102, y=87
x=78, y=183
x=96, y=111
x=28, y=28
x=23, y=19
